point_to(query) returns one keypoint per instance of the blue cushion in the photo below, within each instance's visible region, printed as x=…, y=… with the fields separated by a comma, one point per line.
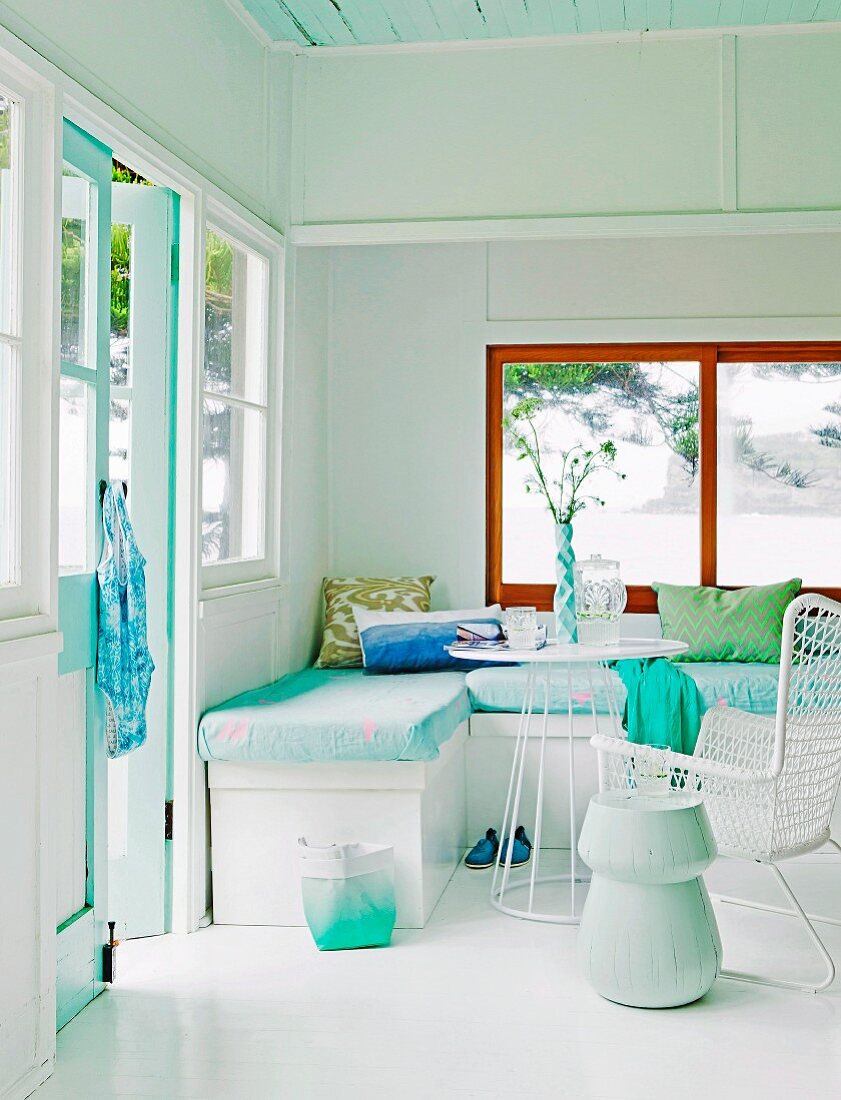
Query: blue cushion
x=751, y=687
x=337, y=714
x=411, y=647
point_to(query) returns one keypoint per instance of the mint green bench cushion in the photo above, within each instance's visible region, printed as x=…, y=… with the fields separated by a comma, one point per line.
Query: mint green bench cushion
x=751, y=687
x=337, y=715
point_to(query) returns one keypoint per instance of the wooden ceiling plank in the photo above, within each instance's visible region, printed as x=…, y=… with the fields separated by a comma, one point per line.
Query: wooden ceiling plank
x=421, y=15
x=369, y=21
x=540, y=15
x=612, y=15
x=447, y=19
x=778, y=11
x=690, y=13
x=275, y=22
x=659, y=15
x=565, y=16
x=401, y=17
x=471, y=16
x=753, y=13
x=826, y=10
x=589, y=17
x=517, y=17
x=802, y=11
x=331, y=17
x=494, y=12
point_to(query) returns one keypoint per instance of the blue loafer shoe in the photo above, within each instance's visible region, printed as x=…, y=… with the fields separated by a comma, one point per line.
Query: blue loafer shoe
x=483, y=854
x=521, y=850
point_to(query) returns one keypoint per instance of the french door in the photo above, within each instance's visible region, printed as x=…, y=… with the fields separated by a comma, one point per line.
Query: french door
x=82, y=776
x=117, y=288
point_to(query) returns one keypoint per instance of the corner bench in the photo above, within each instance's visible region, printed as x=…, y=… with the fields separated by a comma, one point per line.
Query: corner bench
x=335, y=755
x=420, y=762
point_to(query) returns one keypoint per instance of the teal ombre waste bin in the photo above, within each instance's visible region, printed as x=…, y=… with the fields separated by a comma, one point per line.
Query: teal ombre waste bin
x=348, y=893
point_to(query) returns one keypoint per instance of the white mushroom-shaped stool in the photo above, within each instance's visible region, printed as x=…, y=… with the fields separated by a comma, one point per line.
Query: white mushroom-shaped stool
x=648, y=935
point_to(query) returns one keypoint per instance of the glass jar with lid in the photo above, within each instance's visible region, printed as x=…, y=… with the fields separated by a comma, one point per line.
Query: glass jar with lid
x=600, y=598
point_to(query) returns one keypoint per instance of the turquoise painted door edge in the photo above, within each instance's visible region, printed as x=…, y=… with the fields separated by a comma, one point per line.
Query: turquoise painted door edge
x=80, y=938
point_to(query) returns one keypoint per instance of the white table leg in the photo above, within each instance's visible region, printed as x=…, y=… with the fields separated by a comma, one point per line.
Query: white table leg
x=515, y=787
x=501, y=883
x=573, y=832
x=595, y=714
x=538, y=813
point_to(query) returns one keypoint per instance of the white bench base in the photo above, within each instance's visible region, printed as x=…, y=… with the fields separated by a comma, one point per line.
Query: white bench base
x=258, y=811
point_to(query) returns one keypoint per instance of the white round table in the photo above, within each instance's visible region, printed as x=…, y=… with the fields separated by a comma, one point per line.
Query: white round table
x=553, y=657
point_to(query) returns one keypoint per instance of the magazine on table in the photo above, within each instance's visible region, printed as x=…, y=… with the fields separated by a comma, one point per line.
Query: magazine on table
x=489, y=636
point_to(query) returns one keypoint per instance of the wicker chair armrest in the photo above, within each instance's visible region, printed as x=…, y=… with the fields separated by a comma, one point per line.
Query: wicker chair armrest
x=697, y=765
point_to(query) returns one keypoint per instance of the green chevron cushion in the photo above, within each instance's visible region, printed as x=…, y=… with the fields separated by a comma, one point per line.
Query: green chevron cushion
x=717, y=625
x=340, y=643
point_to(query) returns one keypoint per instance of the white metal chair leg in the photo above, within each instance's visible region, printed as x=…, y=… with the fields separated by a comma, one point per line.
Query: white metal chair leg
x=816, y=918
x=797, y=911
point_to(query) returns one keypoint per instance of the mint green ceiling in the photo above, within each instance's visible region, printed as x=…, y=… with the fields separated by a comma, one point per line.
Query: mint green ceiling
x=374, y=22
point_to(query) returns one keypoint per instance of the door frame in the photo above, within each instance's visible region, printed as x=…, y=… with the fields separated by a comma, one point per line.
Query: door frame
x=184, y=858
x=187, y=854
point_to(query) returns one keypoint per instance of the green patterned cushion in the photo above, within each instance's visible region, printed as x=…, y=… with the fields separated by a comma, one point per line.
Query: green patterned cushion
x=743, y=625
x=340, y=643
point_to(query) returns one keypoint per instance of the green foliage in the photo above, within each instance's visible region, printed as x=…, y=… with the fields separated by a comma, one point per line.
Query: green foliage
x=762, y=462
x=622, y=386
x=829, y=434
x=628, y=387
x=6, y=114
x=120, y=278
x=563, y=495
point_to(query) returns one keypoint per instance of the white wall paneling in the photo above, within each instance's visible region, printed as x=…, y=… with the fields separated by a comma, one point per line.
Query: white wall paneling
x=595, y=128
x=304, y=495
x=243, y=643
x=408, y=328
x=27, y=946
x=69, y=802
x=680, y=124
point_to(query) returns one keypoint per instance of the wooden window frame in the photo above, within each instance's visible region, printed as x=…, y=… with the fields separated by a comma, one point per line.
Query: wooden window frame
x=641, y=598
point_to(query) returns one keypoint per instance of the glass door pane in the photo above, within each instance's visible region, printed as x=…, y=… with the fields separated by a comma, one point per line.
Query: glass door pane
x=75, y=423
x=75, y=204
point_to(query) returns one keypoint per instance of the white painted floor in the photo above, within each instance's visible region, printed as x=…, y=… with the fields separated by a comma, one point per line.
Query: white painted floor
x=476, y=1005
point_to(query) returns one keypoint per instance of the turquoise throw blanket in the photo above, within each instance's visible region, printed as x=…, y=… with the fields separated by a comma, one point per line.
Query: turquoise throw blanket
x=663, y=707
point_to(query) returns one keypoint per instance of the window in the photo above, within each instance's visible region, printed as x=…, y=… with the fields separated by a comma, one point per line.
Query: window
x=9, y=347
x=77, y=392
x=731, y=456
x=235, y=403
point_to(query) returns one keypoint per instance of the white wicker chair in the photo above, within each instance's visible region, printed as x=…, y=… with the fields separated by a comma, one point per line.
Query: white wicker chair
x=769, y=784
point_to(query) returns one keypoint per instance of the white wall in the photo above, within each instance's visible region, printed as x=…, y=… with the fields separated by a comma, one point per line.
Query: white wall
x=645, y=124
x=305, y=485
x=408, y=330
x=188, y=73
x=252, y=638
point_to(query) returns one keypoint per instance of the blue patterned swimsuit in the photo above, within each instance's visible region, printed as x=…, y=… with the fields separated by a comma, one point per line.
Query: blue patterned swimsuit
x=124, y=664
